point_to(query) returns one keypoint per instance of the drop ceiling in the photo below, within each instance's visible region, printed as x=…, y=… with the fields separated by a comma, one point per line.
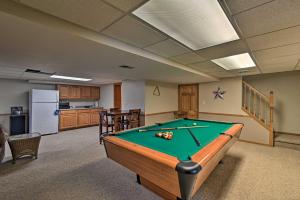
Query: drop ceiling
x=268, y=29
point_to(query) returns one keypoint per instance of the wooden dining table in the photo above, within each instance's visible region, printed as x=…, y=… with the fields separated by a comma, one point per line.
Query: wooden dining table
x=119, y=118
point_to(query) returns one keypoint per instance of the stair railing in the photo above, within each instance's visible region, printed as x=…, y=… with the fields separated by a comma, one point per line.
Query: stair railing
x=260, y=107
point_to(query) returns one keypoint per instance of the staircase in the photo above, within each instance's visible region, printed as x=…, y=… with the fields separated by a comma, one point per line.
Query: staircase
x=260, y=107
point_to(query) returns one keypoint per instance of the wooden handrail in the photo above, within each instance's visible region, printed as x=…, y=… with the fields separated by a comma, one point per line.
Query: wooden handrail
x=259, y=106
x=257, y=91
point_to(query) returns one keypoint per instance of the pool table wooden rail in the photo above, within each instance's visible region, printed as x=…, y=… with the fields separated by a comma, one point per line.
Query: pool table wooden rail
x=157, y=169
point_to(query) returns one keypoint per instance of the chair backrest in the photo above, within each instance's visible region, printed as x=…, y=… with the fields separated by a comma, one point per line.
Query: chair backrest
x=103, y=117
x=114, y=109
x=134, y=114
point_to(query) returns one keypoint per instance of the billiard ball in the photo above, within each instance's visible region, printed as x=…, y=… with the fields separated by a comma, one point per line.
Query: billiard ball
x=194, y=124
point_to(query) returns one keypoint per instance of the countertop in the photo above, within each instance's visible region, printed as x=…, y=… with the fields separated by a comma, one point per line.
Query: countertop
x=81, y=108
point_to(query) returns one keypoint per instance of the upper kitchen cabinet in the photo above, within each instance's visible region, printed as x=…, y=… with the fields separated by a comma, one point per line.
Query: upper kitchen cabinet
x=74, y=92
x=85, y=92
x=95, y=92
x=78, y=92
x=63, y=91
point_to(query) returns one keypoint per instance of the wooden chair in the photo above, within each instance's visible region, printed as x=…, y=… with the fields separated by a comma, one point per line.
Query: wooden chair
x=2, y=144
x=105, y=122
x=133, y=119
x=114, y=109
x=180, y=114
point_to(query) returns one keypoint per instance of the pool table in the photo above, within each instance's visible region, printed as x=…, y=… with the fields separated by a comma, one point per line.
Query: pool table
x=176, y=168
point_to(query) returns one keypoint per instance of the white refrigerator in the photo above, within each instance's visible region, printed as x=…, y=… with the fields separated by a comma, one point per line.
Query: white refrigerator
x=43, y=111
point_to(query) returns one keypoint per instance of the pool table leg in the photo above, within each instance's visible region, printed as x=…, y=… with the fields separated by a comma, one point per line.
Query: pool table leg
x=138, y=179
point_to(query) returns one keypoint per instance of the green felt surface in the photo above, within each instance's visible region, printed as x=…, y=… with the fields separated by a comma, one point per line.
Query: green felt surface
x=182, y=145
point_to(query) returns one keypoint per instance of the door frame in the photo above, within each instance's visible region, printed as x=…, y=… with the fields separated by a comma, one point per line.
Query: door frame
x=197, y=94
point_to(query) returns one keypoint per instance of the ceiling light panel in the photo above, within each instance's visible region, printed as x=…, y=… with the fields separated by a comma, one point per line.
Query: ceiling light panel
x=235, y=62
x=196, y=23
x=70, y=78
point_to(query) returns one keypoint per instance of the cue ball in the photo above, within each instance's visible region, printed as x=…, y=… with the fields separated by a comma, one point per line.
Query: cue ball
x=194, y=124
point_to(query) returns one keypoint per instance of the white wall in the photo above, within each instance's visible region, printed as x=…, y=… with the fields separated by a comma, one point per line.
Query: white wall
x=286, y=87
x=232, y=102
x=133, y=95
x=166, y=102
x=16, y=93
x=107, y=96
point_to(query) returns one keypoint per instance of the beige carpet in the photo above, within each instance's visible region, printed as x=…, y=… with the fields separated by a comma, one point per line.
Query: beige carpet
x=73, y=166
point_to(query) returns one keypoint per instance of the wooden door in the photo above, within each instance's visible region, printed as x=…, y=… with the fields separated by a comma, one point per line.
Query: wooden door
x=63, y=91
x=117, y=95
x=188, y=100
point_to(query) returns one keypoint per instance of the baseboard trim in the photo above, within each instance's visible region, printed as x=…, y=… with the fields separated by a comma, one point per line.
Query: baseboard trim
x=225, y=114
x=251, y=142
x=159, y=113
x=287, y=133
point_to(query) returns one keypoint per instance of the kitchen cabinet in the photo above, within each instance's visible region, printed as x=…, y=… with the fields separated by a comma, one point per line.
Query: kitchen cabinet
x=68, y=119
x=95, y=92
x=74, y=92
x=83, y=118
x=78, y=92
x=63, y=91
x=95, y=117
x=85, y=92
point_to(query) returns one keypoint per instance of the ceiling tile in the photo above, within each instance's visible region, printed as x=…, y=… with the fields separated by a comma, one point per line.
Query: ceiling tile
x=207, y=66
x=224, y=74
x=125, y=5
x=278, y=52
x=269, y=17
x=224, y=50
x=290, y=60
x=92, y=14
x=188, y=58
x=132, y=31
x=275, y=39
x=246, y=71
x=168, y=48
x=237, y=6
x=276, y=68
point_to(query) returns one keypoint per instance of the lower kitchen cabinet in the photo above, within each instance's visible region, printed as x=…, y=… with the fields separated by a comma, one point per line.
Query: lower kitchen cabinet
x=83, y=117
x=95, y=117
x=67, y=119
x=70, y=119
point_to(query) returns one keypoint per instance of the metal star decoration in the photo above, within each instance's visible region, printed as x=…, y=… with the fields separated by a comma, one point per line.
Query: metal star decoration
x=219, y=94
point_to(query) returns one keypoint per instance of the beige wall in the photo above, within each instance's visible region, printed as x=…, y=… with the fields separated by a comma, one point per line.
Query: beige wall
x=252, y=131
x=286, y=87
x=232, y=102
x=107, y=96
x=167, y=101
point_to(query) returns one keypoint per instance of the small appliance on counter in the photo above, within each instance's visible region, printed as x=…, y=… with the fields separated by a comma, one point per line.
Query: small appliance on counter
x=64, y=105
x=16, y=110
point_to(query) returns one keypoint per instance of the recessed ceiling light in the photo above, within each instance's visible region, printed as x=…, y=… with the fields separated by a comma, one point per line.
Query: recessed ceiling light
x=70, y=78
x=235, y=62
x=196, y=23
